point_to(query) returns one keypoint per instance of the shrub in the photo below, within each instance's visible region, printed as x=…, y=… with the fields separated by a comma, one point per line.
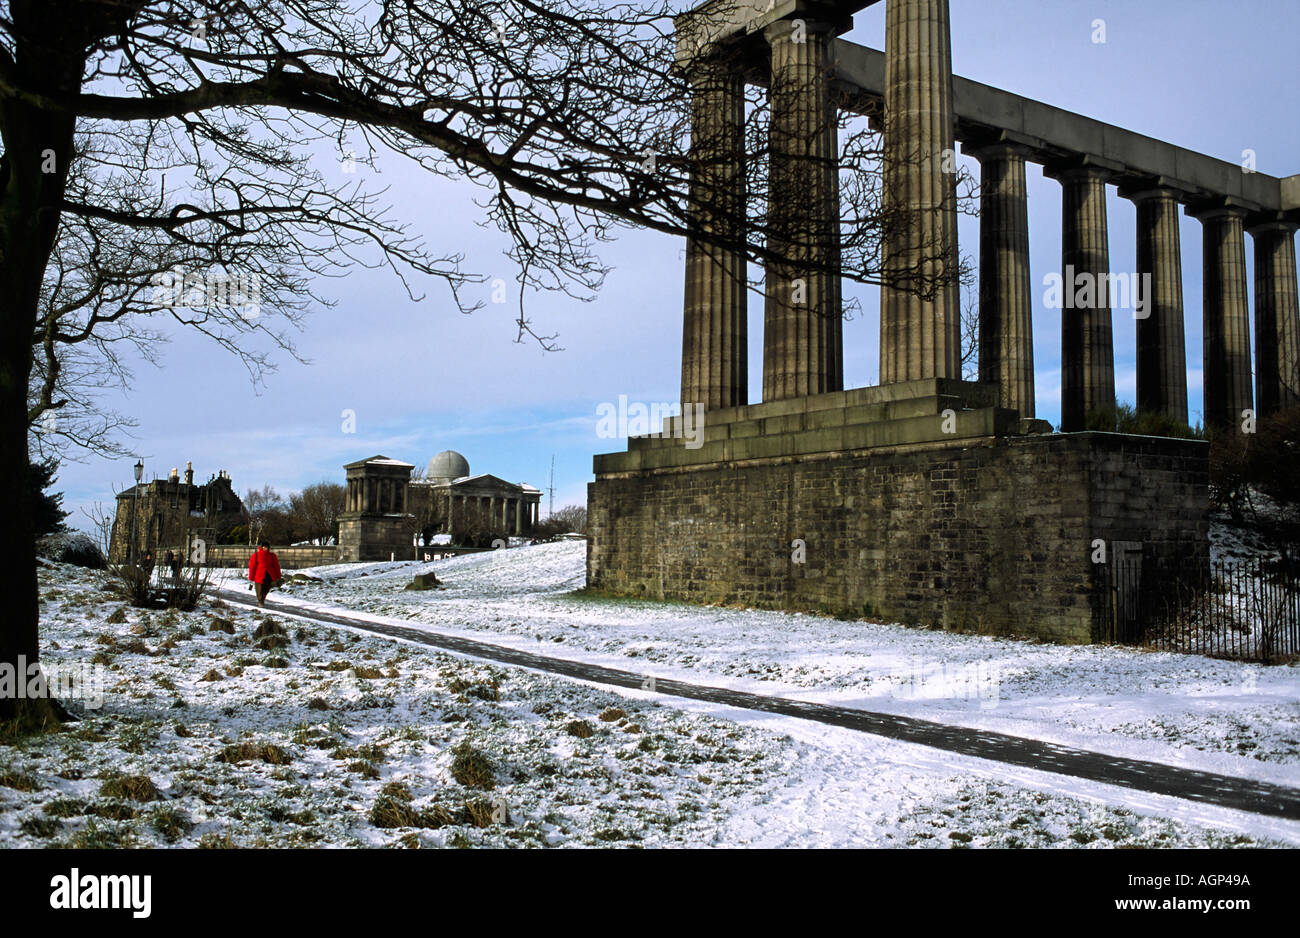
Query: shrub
x=74, y=548
x=1125, y=418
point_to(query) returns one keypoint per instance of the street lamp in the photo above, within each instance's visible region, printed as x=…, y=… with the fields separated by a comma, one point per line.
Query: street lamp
x=135, y=504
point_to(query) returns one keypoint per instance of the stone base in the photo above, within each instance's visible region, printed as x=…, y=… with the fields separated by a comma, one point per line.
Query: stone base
x=991, y=533
x=364, y=537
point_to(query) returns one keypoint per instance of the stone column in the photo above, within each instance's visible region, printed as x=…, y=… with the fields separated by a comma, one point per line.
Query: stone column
x=1227, y=366
x=1087, y=342
x=1006, y=332
x=920, y=320
x=1277, y=317
x=451, y=508
x=715, y=360
x=1161, y=347
x=519, y=516
x=802, y=312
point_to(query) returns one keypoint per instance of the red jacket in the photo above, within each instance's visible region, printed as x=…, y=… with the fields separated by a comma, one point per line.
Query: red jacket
x=261, y=563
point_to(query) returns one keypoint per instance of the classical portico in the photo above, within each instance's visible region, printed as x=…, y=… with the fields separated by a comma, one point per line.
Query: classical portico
x=449, y=500
x=792, y=49
x=375, y=524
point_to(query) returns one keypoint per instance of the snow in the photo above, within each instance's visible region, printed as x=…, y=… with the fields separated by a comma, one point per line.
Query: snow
x=665, y=772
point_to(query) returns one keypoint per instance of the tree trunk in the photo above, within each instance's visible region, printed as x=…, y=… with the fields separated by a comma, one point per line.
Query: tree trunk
x=48, y=57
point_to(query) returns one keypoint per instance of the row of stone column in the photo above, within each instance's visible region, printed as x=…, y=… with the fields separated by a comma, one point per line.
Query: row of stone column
x=1087, y=343
x=920, y=313
x=498, y=509
x=375, y=495
x=802, y=318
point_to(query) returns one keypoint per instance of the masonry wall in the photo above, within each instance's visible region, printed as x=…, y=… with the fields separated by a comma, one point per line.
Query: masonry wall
x=993, y=535
x=291, y=558
x=372, y=537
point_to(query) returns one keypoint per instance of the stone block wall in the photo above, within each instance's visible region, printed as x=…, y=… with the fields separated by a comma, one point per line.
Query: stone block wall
x=371, y=537
x=993, y=535
x=291, y=558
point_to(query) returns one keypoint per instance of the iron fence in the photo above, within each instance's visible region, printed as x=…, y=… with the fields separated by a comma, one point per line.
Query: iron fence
x=1244, y=611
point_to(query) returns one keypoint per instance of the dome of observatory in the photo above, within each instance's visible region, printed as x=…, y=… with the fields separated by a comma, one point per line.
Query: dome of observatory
x=448, y=464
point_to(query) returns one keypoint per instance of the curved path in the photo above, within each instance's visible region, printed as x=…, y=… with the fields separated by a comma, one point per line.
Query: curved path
x=1225, y=791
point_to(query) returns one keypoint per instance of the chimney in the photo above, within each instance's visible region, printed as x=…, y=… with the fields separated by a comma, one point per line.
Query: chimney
x=189, y=472
x=175, y=476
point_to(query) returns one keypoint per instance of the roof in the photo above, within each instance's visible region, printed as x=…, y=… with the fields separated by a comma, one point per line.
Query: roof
x=379, y=460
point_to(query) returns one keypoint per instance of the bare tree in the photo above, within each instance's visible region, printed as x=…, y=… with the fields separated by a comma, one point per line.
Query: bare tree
x=970, y=334
x=260, y=507
x=571, y=518
x=316, y=509
x=101, y=522
x=158, y=162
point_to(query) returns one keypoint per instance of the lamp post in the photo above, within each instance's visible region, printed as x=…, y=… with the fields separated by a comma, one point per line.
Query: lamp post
x=135, y=505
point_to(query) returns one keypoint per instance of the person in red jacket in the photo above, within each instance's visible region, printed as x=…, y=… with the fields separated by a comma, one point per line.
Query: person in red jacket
x=264, y=570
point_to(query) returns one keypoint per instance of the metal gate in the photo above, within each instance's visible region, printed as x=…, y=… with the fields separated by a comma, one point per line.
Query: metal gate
x=1128, y=622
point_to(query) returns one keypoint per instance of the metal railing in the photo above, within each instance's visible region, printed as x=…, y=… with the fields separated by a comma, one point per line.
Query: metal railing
x=1238, y=610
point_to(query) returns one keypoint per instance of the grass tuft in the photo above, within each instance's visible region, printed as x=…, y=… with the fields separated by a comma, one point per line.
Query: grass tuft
x=471, y=767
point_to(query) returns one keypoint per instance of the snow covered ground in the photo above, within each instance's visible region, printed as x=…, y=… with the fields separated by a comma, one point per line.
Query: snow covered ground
x=323, y=736
x=1221, y=716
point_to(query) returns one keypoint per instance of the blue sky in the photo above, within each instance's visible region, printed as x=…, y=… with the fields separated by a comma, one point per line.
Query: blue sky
x=1214, y=76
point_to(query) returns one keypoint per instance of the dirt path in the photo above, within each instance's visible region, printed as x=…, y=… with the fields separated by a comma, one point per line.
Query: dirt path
x=1221, y=790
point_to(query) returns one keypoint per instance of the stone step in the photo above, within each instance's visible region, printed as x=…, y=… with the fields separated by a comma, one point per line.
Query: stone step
x=806, y=420
x=960, y=427
x=973, y=395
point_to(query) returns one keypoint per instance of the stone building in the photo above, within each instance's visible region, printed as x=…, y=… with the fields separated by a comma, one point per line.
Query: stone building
x=168, y=512
x=929, y=499
x=450, y=500
x=387, y=511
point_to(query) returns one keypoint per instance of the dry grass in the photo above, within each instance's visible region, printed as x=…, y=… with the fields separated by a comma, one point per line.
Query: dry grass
x=254, y=752
x=130, y=787
x=472, y=768
x=396, y=790
x=18, y=781
x=389, y=812
x=579, y=728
